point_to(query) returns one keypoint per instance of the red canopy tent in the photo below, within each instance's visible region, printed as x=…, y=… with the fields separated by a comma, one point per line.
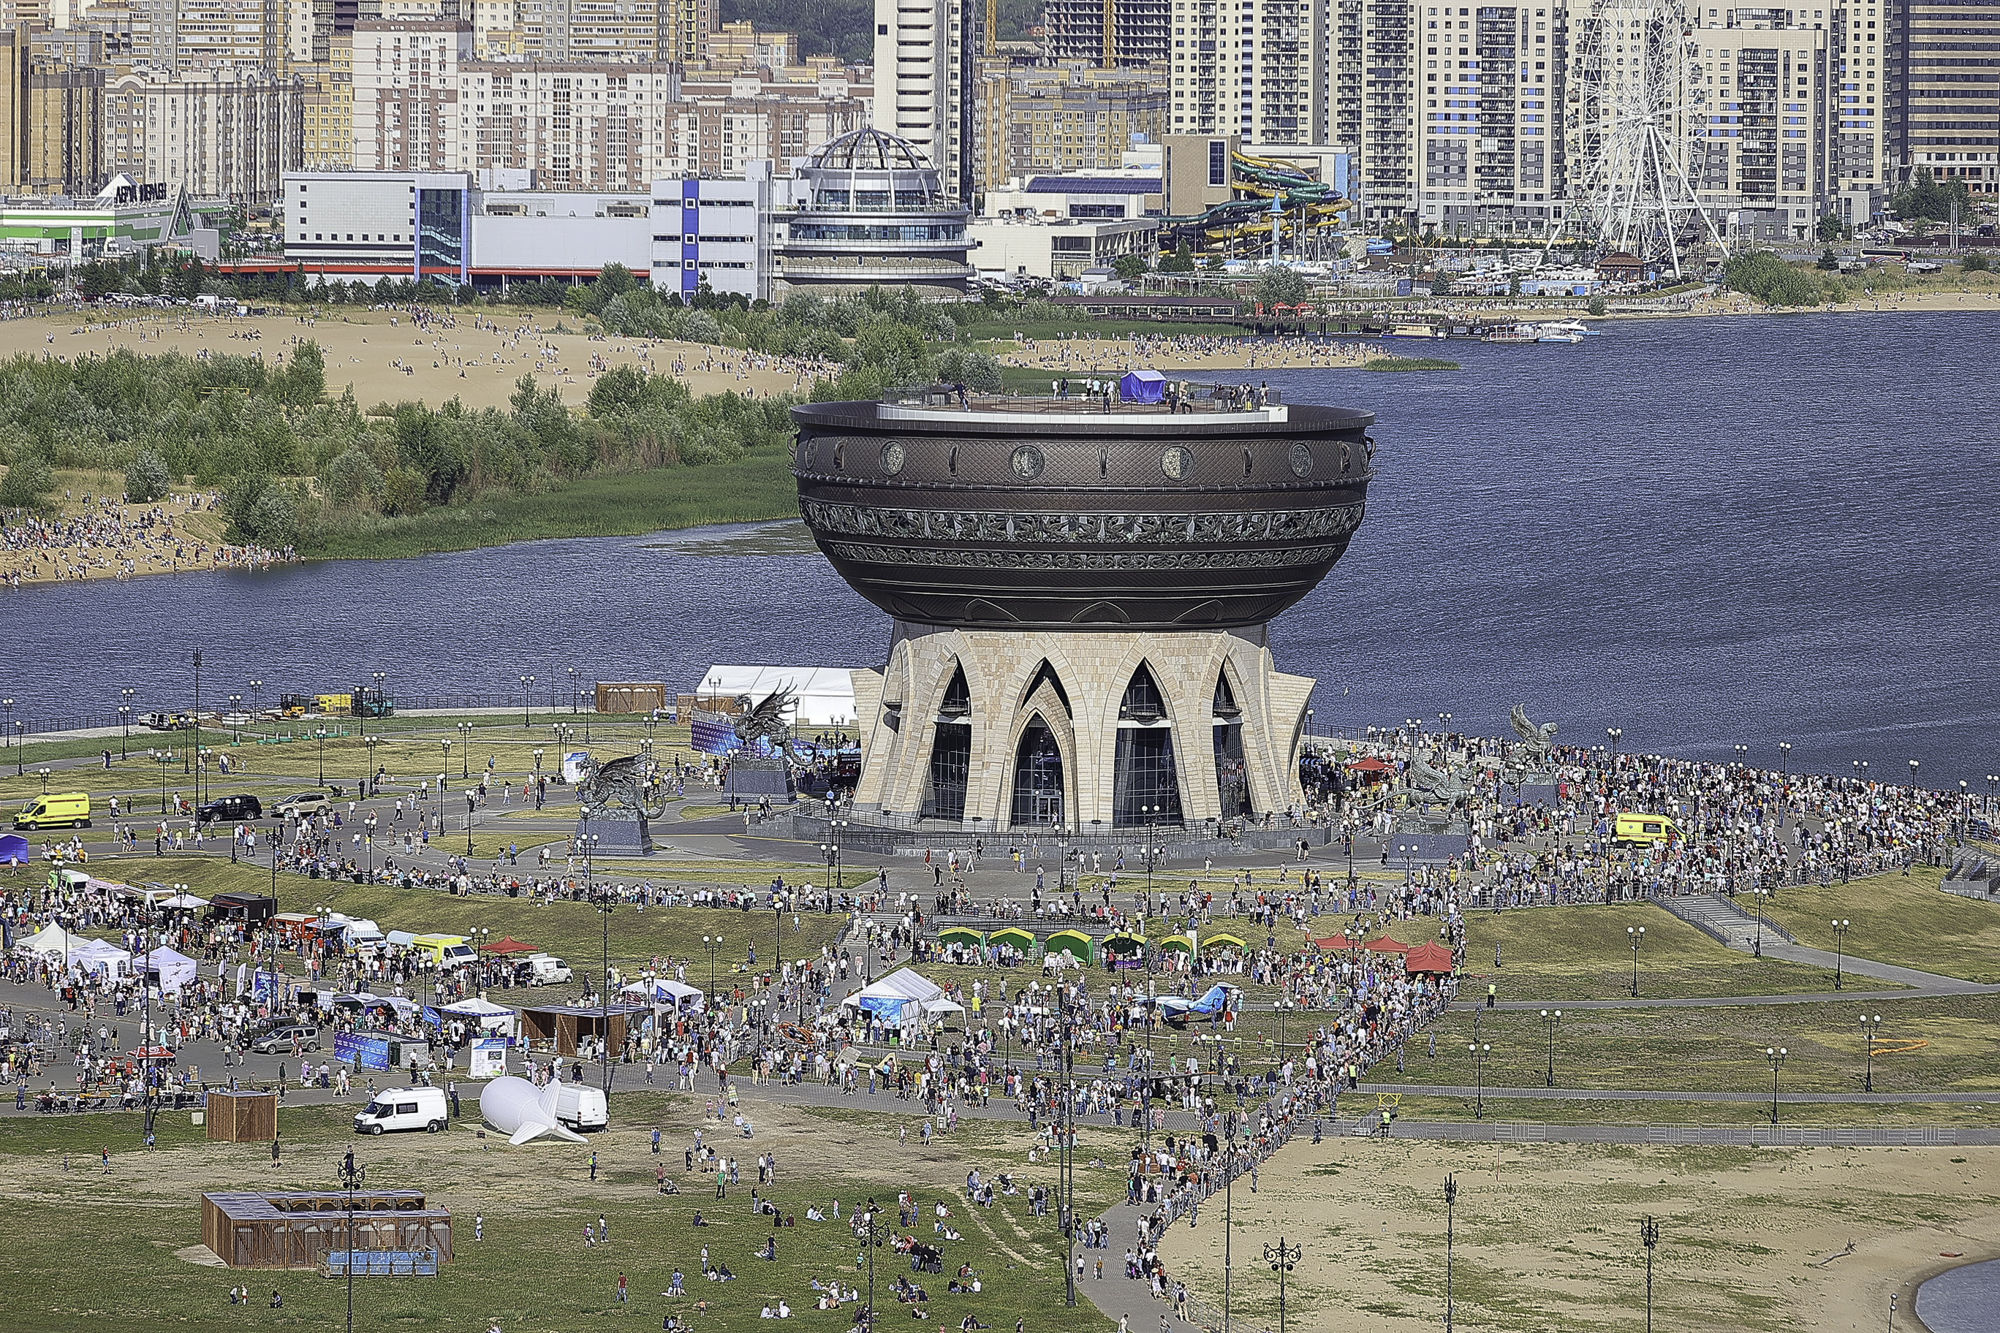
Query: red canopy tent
x=510, y=945
x=1428, y=957
x=1369, y=765
x=1337, y=942
x=1385, y=945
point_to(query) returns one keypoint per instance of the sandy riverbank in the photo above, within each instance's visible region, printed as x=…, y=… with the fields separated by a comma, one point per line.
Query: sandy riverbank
x=473, y=355
x=1548, y=1235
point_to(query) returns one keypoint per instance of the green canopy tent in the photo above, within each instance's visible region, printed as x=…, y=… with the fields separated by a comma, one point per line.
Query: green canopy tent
x=1177, y=944
x=1013, y=935
x=1222, y=940
x=962, y=935
x=1072, y=942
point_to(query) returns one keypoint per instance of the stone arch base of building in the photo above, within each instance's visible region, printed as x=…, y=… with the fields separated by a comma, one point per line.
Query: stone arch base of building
x=1030, y=739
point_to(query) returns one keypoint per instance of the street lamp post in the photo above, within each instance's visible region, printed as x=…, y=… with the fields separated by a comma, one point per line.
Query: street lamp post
x=527, y=687
x=1551, y=1019
x=1637, y=935
x=1450, y=1227
x=197, y=727
x=1649, y=1236
x=605, y=902
x=1281, y=1257
x=1840, y=928
x=319, y=735
x=1869, y=1024
x=712, y=946
x=236, y=718
x=1742, y=756
x=1758, y=895
x=471, y=804
x=352, y=1177
x=1615, y=734
x=465, y=751
x=1785, y=758
x=1776, y=1055
x=1913, y=775
x=1479, y=1054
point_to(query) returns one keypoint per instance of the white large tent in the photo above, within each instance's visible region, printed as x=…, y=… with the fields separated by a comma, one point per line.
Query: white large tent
x=825, y=694
x=663, y=994
x=174, y=969
x=485, y=1015
x=901, y=998
x=54, y=943
x=97, y=956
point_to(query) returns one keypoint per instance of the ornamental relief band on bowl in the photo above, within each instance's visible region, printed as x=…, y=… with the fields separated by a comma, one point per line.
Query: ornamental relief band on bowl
x=1085, y=560
x=1161, y=529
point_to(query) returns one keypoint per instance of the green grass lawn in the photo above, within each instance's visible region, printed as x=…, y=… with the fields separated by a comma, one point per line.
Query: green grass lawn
x=1900, y=919
x=87, y=1250
x=1923, y=1045
x=1583, y=953
x=1608, y=1112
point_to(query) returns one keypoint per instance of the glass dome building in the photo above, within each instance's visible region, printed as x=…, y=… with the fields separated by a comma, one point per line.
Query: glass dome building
x=869, y=209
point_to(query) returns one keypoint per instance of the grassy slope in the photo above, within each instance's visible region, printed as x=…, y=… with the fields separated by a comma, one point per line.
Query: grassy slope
x=1897, y=919
x=88, y=1251
x=755, y=487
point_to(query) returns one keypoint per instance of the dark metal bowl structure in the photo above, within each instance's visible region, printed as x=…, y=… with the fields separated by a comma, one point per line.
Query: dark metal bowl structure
x=1058, y=515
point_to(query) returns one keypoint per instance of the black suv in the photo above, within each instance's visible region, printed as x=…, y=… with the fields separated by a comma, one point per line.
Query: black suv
x=232, y=808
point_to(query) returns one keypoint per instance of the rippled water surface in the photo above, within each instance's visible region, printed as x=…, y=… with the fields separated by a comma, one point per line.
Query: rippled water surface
x=1705, y=532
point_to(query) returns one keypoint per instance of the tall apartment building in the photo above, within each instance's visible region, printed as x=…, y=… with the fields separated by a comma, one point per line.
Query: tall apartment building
x=1487, y=152
x=329, y=109
x=1258, y=68
x=1858, y=49
x=15, y=60
x=421, y=103
x=229, y=34
x=219, y=134
x=1077, y=122
x=1388, y=99
x=1762, y=103
x=65, y=130
x=925, y=83
x=1943, y=95
x=1140, y=31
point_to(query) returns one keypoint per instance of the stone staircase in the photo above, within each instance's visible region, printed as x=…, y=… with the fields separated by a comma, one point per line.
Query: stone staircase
x=1723, y=920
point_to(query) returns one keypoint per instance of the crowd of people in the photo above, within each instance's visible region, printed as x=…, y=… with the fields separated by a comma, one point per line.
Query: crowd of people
x=107, y=538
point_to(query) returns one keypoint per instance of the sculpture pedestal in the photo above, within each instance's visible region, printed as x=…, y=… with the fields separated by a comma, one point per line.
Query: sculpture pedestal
x=617, y=837
x=752, y=780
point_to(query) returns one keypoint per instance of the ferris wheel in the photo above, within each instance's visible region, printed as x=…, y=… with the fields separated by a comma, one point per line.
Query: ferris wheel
x=1639, y=132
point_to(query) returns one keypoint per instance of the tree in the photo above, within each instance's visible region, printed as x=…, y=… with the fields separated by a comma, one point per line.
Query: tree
x=1514, y=285
x=146, y=478
x=1927, y=198
x=1129, y=267
x=1597, y=306
x=98, y=279
x=1281, y=286
x=1831, y=228
x=303, y=380
x=1974, y=263
x=1830, y=261
x=1441, y=283
x=1770, y=279
x=27, y=483
x=1180, y=261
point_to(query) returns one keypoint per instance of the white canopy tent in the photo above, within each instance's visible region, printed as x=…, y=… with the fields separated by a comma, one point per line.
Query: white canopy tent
x=53, y=942
x=901, y=998
x=175, y=970
x=825, y=694
x=97, y=956
x=485, y=1015
x=664, y=994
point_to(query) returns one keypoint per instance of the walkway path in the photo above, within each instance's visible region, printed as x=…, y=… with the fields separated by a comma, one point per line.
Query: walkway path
x=1674, y=1095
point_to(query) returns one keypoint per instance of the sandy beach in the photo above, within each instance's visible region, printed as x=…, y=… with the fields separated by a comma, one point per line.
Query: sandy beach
x=1548, y=1235
x=474, y=355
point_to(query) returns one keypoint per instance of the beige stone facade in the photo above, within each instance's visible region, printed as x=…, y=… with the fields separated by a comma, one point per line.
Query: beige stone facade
x=1078, y=696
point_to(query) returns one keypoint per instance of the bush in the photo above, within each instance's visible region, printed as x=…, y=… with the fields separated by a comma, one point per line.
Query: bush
x=1597, y=305
x=27, y=483
x=1974, y=264
x=146, y=478
x=1770, y=279
x=351, y=478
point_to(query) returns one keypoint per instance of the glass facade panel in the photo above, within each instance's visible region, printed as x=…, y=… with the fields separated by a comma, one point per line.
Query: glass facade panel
x=1038, y=779
x=441, y=232
x=951, y=758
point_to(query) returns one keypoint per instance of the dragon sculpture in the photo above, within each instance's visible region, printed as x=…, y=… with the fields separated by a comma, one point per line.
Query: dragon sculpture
x=1539, y=739
x=766, y=721
x=1435, y=784
x=617, y=790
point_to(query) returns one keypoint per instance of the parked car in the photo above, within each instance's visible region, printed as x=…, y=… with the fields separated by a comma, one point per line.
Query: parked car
x=280, y=1040
x=582, y=1108
x=403, y=1109
x=303, y=806
x=232, y=808
x=546, y=970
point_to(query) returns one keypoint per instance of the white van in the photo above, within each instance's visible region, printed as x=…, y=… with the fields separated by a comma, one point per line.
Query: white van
x=582, y=1108
x=547, y=970
x=406, y=1108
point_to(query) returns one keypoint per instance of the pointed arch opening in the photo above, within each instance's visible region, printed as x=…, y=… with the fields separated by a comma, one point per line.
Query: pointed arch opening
x=1038, y=778
x=951, y=752
x=1145, y=785
x=1232, y=774
x=1046, y=675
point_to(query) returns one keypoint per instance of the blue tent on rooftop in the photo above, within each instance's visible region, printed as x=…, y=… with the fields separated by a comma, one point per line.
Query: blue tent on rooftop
x=1142, y=386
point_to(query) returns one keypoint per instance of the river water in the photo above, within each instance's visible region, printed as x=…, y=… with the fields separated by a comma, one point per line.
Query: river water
x=1706, y=532
x=1963, y=1300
